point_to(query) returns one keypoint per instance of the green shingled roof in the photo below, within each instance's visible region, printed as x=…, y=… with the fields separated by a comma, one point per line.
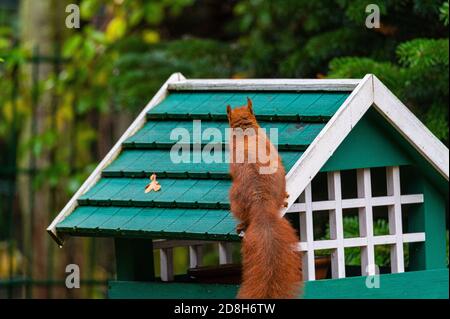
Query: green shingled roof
x=193, y=201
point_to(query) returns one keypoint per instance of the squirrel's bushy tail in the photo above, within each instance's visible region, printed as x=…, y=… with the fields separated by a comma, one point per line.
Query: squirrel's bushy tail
x=271, y=266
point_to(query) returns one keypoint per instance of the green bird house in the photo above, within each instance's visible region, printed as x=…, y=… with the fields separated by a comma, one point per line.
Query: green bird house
x=349, y=147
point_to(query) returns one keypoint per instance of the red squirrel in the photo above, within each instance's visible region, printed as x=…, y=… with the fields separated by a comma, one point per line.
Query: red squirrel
x=271, y=266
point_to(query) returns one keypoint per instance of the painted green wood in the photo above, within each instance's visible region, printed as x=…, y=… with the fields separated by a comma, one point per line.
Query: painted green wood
x=142, y=163
x=82, y=213
x=134, y=259
x=157, y=134
x=310, y=106
x=183, y=223
x=97, y=219
x=430, y=284
x=391, y=156
x=120, y=218
x=188, y=193
x=158, y=290
x=429, y=217
x=227, y=225
x=367, y=145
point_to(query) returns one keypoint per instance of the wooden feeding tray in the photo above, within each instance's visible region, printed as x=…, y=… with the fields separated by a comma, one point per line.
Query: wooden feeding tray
x=231, y=273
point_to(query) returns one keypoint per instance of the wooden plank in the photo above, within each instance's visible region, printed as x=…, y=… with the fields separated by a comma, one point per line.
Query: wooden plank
x=409, y=285
x=431, y=284
x=170, y=290
x=266, y=85
x=82, y=214
x=145, y=216
x=299, y=134
x=99, y=218
x=225, y=226
x=307, y=106
x=163, y=243
x=112, y=154
x=134, y=163
x=164, y=220
x=174, y=192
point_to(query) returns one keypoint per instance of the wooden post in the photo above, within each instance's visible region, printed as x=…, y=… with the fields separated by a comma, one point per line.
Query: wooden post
x=225, y=256
x=306, y=234
x=336, y=225
x=195, y=256
x=395, y=219
x=366, y=221
x=134, y=259
x=166, y=256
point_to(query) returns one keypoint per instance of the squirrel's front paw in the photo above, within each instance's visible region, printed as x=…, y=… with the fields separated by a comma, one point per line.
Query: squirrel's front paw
x=240, y=228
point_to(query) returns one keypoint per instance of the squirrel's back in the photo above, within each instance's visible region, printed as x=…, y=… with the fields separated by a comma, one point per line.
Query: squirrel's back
x=271, y=263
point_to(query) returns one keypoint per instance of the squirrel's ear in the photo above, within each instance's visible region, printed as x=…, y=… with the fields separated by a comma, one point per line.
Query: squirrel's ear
x=250, y=105
x=228, y=112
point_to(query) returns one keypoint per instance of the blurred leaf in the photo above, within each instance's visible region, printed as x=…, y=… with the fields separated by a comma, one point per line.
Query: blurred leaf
x=136, y=17
x=116, y=29
x=154, y=12
x=150, y=36
x=444, y=12
x=88, y=8
x=4, y=43
x=71, y=45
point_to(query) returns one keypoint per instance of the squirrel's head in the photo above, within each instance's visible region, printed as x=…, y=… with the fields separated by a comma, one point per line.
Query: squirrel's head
x=242, y=116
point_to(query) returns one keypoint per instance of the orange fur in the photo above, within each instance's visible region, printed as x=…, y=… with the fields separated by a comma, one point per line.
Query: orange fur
x=271, y=267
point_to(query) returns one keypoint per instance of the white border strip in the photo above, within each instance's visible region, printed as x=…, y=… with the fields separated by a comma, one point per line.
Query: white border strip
x=112, y=154
x=329, y=139
x=266, y=84
x=356, y=203
x=411, y=128
x=370, y=91
x=359, y=242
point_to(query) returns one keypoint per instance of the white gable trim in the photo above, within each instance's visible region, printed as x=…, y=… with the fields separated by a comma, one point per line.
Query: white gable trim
x=266, y=85
x=112, y=154
x=413, y=130
x=370, y=91
x=328, y=140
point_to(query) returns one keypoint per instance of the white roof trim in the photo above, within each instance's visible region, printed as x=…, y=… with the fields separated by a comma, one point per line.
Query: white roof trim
x=370, y=91
x=112, y=154
x=266, y=85
x=413, y=130
x=328, y=140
